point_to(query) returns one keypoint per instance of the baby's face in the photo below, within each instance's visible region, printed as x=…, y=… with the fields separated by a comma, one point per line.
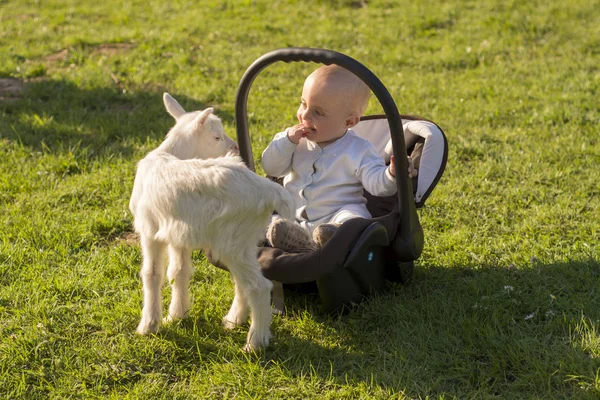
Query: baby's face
x=323, y=111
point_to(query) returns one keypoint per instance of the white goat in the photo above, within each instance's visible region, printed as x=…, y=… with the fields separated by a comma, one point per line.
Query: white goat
x=184, y=200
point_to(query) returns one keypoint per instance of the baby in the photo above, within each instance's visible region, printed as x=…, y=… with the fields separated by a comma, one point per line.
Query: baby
x=324, y=163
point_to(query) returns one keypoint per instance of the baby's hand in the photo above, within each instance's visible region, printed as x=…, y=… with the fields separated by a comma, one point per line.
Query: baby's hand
x=412, y=171
x=296, y=132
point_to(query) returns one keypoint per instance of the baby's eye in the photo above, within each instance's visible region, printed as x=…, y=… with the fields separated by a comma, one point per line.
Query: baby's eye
x=320, y=113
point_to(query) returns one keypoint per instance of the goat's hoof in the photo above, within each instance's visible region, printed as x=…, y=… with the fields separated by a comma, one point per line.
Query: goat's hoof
x=248, y=348
x=145, y=328
x=176, y=313
x=231, y=322
x=169, y=319
x=257, y=343
x=277, y=311
x=228, y=324
x=254, y=348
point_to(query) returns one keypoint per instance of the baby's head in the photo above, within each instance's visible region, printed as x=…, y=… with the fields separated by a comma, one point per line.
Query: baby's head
x=333, y=100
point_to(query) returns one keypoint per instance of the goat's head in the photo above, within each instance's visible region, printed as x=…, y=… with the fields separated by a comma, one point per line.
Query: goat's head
x=197, y=134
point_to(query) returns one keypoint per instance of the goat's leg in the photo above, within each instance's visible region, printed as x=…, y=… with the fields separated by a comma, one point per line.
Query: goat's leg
x=179, y=275
x=259, y=298
x=152, y=274
x=256, y=289
x=238, y=313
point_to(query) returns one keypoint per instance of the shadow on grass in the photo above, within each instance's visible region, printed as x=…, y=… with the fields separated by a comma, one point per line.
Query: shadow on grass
x=58, y=116
x=492, y=331
x=469, y=332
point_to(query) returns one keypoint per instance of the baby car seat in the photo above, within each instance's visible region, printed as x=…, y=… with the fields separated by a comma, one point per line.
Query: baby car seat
x=363, y=253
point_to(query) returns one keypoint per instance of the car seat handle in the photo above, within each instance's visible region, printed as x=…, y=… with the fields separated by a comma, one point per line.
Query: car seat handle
x=327, y=57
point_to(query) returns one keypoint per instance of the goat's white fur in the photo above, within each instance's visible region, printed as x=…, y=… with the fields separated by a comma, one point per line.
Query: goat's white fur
x=183, y=199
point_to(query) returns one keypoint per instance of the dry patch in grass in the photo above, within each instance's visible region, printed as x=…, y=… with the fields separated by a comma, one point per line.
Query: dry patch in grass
x=11, y=89
x=130, y=238
x=57, y=57
x=110, y=49
x=104, y=49
x=22, y=17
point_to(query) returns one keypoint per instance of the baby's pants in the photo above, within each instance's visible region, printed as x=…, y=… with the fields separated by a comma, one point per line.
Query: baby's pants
x=342, y=215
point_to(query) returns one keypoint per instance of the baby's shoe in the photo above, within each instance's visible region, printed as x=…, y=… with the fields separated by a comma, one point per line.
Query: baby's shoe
x=323, y=233
x=288, y=236
x=412, y=170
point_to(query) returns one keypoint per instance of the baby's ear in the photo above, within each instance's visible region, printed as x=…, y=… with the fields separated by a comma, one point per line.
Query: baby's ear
x=352, y=120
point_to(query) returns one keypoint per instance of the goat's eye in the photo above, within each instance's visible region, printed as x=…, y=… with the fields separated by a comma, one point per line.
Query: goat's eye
x=218, y=138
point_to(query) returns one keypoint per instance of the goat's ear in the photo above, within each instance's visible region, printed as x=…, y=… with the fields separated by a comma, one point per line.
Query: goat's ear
x=203, y=116
x=173, y=106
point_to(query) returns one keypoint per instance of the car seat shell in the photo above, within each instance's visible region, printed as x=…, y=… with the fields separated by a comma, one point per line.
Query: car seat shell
x=363, y=253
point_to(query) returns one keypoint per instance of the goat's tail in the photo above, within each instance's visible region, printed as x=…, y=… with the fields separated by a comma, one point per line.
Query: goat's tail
x=283, y=202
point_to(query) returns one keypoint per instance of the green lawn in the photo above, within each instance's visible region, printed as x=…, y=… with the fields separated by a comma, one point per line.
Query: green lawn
x=505, y=300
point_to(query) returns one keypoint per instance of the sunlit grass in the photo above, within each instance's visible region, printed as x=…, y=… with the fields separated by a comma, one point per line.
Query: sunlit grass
x=505, y=299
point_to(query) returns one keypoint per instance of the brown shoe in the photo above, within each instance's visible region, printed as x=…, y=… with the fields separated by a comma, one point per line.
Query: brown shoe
x=323, y=233
x=290, y=237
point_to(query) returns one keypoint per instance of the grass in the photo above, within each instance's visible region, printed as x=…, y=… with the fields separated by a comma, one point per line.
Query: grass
x=505, y=300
